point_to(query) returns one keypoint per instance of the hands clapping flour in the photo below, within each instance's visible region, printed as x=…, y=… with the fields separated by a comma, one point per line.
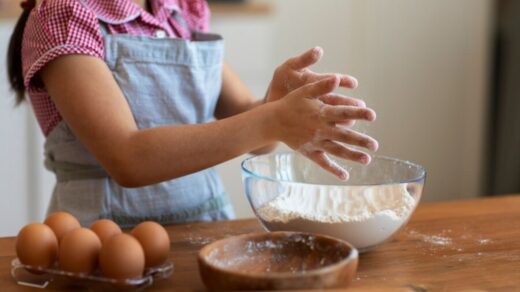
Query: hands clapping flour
x=341, y=211
x=325, y=117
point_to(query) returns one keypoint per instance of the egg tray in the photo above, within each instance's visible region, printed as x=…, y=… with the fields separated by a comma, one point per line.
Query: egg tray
x=39, y=277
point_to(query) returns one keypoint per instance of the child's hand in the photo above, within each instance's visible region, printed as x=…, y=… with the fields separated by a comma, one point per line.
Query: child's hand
x=307, y=124
x=295, y=73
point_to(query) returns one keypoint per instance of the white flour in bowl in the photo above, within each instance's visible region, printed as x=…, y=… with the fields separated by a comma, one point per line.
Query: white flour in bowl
x=362, y=215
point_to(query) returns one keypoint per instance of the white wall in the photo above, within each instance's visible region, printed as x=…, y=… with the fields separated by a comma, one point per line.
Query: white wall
x=421, y=64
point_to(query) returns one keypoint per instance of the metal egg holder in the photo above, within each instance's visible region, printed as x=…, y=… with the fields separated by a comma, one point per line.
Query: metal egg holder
x=38, y=277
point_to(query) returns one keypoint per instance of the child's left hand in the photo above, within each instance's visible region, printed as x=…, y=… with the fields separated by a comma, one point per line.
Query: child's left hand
x=294, y=73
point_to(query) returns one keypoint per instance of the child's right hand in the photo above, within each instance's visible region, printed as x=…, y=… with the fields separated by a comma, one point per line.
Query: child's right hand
x=308, y=125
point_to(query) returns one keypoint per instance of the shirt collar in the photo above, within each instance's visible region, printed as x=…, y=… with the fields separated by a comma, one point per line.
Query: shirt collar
x=123, y=11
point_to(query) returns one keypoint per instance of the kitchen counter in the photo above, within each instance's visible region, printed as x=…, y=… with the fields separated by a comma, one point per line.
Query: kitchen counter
x=457, y=245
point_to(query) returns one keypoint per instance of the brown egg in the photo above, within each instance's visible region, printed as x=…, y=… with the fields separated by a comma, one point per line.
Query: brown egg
x=105, y=228
x=155, y=241
x=36, y=245
x=122, y=257
x=61, y=223
x=79, y=251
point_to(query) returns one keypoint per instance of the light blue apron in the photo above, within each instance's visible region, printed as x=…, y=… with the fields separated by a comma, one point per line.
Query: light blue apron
x=166, y=81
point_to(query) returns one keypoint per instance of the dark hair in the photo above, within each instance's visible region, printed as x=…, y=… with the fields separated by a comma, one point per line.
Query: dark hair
x=14, y=58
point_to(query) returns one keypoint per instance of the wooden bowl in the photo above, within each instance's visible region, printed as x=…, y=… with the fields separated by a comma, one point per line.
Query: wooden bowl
x=277, y=260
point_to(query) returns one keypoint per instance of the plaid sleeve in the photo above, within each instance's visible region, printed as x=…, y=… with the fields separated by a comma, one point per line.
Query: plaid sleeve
x=56, y=28
x=196, y=14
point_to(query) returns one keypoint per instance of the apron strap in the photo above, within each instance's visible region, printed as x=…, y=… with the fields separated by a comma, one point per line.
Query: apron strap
x=180, y=20
x=103, y=28
x=195, y=35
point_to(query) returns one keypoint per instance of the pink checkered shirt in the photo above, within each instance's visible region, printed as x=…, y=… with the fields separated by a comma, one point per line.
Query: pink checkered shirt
x=61, y=27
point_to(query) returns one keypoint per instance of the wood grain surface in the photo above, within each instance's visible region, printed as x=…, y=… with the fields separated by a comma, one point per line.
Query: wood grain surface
x=277, y=261
x=471, y=245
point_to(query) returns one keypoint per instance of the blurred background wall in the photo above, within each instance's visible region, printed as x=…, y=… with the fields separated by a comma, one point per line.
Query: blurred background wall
x=503, y=169
x=424, y=66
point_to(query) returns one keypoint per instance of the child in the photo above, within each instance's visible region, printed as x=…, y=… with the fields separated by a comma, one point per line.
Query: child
x=137, y=107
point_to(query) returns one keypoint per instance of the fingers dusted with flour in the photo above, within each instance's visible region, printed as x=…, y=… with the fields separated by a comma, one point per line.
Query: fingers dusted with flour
x=338, y=99
x=349, y=136
x=305, y=60
x=311, y=57
x=320, y=158
x=295, y=73
x=344, y=112
x=310, y=127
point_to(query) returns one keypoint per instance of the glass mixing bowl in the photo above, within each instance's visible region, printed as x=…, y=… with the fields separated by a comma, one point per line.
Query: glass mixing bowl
x=288, y=192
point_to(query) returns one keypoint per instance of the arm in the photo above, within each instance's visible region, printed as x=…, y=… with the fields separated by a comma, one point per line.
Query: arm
x=92, y=104
x=235, y=98
x=94, y=107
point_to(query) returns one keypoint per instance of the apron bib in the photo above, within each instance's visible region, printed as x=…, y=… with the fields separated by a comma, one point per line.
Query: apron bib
x=168, y=81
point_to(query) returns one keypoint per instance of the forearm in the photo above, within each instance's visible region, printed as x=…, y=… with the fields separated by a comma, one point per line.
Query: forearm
x=236, y=98
x=158, y=154
x=268, y=147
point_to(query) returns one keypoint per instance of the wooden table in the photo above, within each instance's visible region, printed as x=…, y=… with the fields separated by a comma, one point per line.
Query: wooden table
x=459, y=245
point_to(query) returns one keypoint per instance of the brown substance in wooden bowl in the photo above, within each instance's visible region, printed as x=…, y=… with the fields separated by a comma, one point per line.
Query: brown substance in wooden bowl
x=277, y=260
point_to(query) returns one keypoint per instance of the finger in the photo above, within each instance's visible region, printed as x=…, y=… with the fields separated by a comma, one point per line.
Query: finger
x=340, y=113
x=320, y=158
x=339, y=99
x=306, y=59
x=346, y=123
x=346, y=81
x=352, y=137
x=341, y=151
x=319, y=88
